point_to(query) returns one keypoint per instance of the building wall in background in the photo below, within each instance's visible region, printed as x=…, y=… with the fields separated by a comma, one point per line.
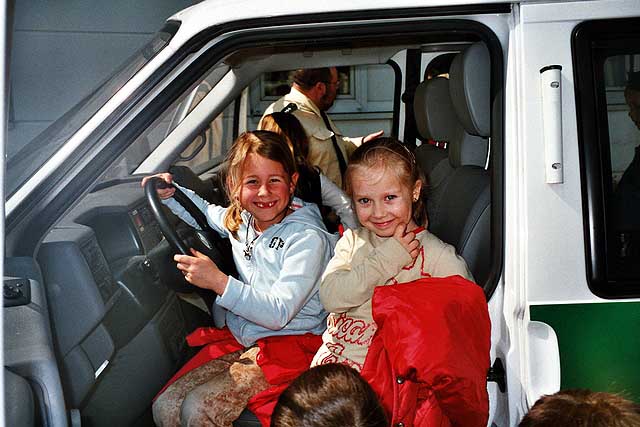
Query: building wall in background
x=62, y=50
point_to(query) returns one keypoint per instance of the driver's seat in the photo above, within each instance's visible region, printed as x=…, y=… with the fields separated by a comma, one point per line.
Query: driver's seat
x=210, y=189
x=464, y=216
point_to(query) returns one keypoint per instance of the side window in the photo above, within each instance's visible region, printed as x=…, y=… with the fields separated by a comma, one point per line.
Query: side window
x=209, y=146
x=608, y=87
x=621, y=73
x=364, y=103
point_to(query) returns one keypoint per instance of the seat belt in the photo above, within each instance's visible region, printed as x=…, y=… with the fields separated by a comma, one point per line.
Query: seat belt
x=341, y=161
x=412, y=79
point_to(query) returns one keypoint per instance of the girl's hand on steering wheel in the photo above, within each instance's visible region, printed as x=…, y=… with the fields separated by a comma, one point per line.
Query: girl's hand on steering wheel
x=201, y=271
x=167, y=190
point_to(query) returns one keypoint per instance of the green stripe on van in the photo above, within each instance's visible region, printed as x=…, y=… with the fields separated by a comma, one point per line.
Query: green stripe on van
x=599, y=345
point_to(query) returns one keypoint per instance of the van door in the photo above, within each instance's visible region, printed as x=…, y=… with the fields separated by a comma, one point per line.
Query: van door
x=579, y=274
x=400, y=28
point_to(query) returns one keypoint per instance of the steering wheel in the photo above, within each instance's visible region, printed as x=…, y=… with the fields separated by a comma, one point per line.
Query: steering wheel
x=167, y=229
x=213, y=245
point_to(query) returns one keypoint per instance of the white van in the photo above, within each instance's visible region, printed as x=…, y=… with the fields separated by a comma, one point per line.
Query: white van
x=536, y=124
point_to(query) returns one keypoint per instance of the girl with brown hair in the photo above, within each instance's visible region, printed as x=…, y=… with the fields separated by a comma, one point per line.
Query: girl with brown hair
x=280, y=248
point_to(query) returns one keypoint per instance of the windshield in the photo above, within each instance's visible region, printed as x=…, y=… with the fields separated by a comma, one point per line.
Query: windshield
x=23, y=159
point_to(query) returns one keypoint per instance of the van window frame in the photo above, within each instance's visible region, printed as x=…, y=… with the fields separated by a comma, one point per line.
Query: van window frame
x=22, y=164
x=594, y=145
x=259, y=32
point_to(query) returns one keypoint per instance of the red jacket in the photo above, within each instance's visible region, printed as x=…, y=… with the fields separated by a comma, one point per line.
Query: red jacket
x=429, y=359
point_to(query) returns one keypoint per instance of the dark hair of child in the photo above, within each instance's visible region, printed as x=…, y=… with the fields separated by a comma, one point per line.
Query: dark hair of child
x=331, y=395
x=290, y=128
x=395, y=157
x=439, y=65
x=582, y=408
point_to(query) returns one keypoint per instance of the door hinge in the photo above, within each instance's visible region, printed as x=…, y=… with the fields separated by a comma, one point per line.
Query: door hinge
x=498, y=375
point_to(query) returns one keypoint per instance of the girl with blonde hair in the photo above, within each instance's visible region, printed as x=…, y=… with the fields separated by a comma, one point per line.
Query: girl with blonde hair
x=280, y=248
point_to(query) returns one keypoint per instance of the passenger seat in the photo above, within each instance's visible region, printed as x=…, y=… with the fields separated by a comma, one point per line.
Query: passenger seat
x=459, y=202
x=466, y=209
x=435, y=120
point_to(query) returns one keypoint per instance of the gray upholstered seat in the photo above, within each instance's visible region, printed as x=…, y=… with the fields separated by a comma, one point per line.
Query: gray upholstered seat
x=435, y=120
x=463, y=218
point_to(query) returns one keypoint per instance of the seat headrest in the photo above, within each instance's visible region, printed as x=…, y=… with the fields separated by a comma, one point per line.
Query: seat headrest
x=469, y=81
x=435, y=116
x=468, y=150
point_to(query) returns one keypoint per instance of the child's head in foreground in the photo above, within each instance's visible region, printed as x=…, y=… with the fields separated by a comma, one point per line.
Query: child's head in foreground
x=385, y=184
x=331, y=395
x=582, y=408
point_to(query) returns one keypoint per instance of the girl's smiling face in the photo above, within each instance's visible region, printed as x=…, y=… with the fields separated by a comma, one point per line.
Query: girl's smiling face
x=266, y=190
x=382, y=200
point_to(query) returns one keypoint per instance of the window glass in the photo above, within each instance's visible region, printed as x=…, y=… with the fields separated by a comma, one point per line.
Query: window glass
x=208, y=146
x=607, y=70
x=211, y=146
x=622, y=84
x=364, y=103
x=24, y=159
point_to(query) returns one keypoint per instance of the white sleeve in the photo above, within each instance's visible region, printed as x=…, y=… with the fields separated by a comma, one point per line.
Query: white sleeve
x=214, y=213
x=336, y=199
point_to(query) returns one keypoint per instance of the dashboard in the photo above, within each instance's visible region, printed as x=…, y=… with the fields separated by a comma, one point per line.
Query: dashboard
x=95, y=323
x=118, y=328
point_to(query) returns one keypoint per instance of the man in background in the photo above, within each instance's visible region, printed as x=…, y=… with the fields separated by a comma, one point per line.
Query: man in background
x=313, y=92
x=626, y=196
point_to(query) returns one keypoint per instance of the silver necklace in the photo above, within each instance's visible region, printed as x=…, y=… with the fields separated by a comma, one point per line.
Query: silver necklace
x=248, y=248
